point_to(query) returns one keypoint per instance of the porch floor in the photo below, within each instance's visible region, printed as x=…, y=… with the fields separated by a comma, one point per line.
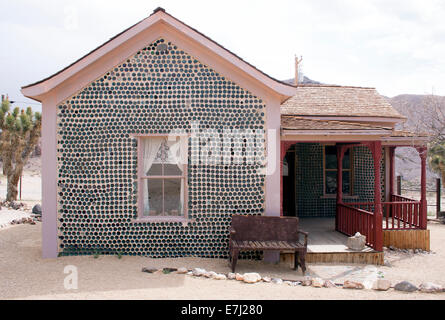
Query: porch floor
x=323, y=238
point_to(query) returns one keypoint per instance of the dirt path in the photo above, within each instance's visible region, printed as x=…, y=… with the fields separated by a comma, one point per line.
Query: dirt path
x=24, y=274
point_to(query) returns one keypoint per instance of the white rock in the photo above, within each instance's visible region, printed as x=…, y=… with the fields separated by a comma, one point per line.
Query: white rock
x=210, y=274
x=189, y=273
x=198, y=272
x=220, y=276
x=277, y=281
x=231, y=276
x=357, y=242
x=239, y=277
x=267, y=279
x=251, y=277
x=430, y=287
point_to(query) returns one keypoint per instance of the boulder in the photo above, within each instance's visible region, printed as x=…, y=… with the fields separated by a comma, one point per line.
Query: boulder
x=37, y=209
x=352, y=285
x=267, y=279
x=182, y=270
x=252, y=277
x=356, y=242
x=429, y=287
x=382, y=285
x=405, y=286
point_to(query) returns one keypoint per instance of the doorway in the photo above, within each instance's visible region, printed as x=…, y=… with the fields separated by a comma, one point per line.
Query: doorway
x=289, y=183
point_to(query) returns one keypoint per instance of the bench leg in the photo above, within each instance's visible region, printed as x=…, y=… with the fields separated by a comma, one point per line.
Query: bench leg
x=235, y=254
x=303, y=262
x=296, y=254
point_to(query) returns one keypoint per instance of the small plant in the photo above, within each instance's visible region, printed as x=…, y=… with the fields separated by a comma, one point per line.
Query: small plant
x=96, y=254
x=166, y=271
x=119, y=255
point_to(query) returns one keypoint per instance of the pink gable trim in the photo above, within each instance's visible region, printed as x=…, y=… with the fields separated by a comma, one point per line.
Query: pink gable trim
x=37, y=91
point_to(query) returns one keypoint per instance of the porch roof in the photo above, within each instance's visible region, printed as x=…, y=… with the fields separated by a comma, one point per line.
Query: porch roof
x=297, y=123
x=332, y=100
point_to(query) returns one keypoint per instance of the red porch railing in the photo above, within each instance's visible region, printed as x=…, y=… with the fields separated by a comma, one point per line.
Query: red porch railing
x=352, y=220
x=400, y=214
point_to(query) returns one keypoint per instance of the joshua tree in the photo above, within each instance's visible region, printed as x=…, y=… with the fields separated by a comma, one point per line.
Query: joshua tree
x=437, y=158
x=20, y=132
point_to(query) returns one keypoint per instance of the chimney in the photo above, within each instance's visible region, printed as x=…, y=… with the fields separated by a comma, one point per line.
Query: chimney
x=297, y=62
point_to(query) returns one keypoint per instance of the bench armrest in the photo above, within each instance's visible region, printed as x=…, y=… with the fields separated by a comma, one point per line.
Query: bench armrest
x=305, y=236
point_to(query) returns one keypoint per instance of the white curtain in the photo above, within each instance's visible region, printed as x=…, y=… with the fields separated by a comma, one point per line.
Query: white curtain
x=151, y=148
x=175, y=154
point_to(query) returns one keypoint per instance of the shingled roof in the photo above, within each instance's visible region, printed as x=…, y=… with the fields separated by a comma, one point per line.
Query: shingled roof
x=289, y=122
x=331, y=100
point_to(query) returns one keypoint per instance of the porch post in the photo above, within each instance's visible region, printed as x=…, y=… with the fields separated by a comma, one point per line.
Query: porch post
x=423, y=203
x=392, y=171
x=340, y=154
x=376, y=148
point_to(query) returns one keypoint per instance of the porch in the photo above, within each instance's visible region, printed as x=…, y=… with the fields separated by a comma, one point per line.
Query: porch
x=389, y=219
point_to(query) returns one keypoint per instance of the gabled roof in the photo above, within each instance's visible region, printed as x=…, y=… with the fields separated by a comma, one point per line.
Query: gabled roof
x=331, y=100
x=159, y=15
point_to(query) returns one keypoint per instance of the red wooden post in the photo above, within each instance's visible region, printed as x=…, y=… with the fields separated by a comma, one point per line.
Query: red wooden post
x=376, y=149
x=423, y=203
x=340, y=154
x=392, y=171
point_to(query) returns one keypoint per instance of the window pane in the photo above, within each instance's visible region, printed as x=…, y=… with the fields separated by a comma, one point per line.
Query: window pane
x=331, y=182
x=154, y=197
x=331, y=157
x=155, y=170
x=347, y=159
x=172, y=170
x=173, y=199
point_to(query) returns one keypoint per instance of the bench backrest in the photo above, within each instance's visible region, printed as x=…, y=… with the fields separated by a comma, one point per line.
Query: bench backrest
x=263, y=228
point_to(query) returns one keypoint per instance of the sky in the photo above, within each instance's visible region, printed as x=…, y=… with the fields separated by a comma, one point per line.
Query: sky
x=397, y=47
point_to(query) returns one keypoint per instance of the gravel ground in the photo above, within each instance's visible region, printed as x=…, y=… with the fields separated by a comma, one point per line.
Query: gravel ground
x=7, y=215
x=25, y=275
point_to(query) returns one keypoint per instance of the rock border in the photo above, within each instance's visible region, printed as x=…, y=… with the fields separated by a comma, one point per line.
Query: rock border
x=315, y=282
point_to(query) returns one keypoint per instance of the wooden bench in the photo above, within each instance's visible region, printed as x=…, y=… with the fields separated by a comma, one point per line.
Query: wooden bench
x=266, y=233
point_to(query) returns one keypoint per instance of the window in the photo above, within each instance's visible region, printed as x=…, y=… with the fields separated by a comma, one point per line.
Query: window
x=330, y=171
x=162, y=176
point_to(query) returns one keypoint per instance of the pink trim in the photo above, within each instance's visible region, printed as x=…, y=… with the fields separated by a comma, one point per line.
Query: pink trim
x=166, y=22
x=49, y=180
